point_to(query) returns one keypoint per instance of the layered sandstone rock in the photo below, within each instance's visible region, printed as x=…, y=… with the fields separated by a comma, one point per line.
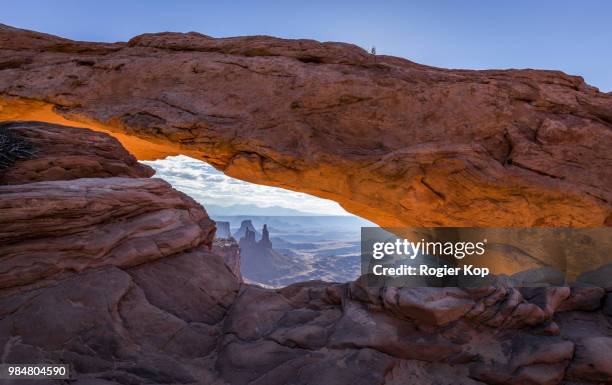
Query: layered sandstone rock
x=51, y=227
x=63, y=153
x=110, y=275
x=393, y=141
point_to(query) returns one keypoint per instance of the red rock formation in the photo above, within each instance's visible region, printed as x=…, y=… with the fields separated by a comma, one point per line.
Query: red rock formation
x=393, y=141
x=114, y=276
x=63, y=153
x=51, y=227
x=91, y=263
x=230, y=251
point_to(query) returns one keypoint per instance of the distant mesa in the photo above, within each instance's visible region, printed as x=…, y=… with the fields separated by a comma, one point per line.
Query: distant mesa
x=223, y=230
x=265, y=238
x=226, y=246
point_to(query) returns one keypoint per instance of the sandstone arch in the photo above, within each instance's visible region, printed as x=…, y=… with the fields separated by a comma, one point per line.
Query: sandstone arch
x=120, y=264
x=392, y=141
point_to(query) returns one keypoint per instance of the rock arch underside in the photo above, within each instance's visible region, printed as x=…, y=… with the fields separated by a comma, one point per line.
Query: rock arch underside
x=116, y=273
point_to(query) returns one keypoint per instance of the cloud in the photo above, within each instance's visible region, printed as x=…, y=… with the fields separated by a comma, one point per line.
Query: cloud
x=208, y=186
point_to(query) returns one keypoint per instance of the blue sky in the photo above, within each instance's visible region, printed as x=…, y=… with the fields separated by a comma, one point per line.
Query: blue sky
x=573, y=36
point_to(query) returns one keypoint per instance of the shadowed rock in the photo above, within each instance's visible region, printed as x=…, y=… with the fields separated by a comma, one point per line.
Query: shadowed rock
x=230, y=251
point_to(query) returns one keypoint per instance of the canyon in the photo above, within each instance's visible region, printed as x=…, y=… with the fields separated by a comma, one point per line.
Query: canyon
x=118, y=274
x=304, y=248
x=260, y=262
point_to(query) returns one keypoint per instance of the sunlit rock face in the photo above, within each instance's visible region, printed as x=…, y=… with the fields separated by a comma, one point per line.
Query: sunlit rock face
x=392, y=141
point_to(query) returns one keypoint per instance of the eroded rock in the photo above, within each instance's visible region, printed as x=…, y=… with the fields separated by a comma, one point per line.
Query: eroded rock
x=111, y=275
x=532, y=360
x=230, y=251
x=51, y=227
x=64, y=153
x=592, y=361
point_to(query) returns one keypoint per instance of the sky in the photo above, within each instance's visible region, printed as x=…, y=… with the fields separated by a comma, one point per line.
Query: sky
x=215, y=190
x=572, y=36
